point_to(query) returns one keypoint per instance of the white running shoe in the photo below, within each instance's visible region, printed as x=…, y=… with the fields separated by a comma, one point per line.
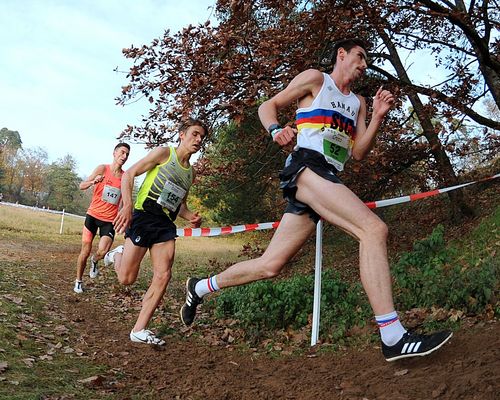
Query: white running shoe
x=94, y=268
x=109, y=258
x=146, y=336
x=78, y=287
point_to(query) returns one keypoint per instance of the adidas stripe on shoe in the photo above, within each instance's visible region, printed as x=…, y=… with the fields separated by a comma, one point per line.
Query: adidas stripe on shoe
x=413, y=345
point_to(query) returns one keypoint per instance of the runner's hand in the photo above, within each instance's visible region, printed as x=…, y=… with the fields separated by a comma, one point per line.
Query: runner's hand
x=98, y=179
x=195, y=220
x=382, y=102
x=123, y=219
x=285, y=136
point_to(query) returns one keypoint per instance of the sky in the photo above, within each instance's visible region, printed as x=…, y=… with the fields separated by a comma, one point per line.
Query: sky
x=57, y=79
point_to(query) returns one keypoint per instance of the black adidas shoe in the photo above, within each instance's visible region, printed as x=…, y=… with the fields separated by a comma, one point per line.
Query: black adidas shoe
x=188, y=310
x=412, y=345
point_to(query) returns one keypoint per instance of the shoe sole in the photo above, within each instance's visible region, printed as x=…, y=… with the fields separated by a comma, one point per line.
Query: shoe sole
x=184, y=305
x=420, y=354
x=182, y=319
x=109, y=263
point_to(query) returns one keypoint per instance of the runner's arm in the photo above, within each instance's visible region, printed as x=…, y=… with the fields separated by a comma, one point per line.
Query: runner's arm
x=193, y=217
x=151, y=160
x=301, y=86
x=95, y=177
x=366, y=136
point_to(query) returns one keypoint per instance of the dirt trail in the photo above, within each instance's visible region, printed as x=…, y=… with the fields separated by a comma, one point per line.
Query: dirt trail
x=188, y=368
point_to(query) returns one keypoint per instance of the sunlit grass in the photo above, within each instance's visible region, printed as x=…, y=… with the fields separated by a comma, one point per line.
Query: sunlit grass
x=38, y=225
x=200, y=256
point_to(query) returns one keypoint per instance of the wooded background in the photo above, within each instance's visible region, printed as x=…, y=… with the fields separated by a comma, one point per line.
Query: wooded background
x=220, y=71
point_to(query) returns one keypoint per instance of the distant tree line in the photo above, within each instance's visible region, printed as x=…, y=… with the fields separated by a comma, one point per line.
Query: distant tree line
x=28, y=178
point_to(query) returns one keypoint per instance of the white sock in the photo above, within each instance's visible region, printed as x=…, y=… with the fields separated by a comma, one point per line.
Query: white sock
x=391, y=330
x=205, y=286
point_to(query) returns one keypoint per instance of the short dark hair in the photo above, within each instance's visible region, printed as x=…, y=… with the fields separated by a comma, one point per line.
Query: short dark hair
x=185, y=124
x=347, y=45
x=122, y=144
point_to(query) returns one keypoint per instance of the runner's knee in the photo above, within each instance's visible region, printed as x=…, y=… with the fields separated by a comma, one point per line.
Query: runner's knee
x=162, y=278
x=269, y=268
x=85, y=251
x=375, y=229
x=127, y=279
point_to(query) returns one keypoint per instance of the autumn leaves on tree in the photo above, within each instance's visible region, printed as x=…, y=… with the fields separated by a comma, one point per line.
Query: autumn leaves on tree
x=220, y=71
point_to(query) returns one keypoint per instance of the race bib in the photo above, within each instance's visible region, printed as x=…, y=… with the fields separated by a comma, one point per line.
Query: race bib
x=336, y=147
x=111, y=194
x=171, y=196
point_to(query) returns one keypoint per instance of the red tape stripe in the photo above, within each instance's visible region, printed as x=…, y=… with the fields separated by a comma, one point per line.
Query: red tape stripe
x=371, y=204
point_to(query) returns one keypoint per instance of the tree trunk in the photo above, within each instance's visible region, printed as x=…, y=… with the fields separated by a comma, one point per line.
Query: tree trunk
x=459, y=207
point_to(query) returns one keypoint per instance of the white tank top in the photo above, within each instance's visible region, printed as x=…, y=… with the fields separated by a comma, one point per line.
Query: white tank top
x=328, y=125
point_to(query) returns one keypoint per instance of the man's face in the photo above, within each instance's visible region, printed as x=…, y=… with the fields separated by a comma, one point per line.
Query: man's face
x=121, y=155
x=193, y=137
x=354, y=60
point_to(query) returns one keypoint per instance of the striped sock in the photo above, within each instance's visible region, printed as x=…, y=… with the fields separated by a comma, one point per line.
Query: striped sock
x=205, y=286
x=391, y=330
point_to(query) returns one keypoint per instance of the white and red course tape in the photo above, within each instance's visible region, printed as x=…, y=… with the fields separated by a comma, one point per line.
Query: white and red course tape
x=273, y=225
x=226, y=229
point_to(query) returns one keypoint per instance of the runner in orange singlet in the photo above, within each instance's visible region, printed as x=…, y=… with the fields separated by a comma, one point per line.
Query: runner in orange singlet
x=106, y=179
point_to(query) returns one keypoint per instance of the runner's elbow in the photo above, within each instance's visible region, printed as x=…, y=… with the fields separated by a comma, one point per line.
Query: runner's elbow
x=266, y=111
x=357, y=156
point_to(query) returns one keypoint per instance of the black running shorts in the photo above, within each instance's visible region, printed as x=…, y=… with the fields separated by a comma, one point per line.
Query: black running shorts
x=147, y=229
x=295, y=163
x=105, y=228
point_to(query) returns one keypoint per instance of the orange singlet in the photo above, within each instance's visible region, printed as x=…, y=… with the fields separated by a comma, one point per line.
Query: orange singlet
x=106, y=197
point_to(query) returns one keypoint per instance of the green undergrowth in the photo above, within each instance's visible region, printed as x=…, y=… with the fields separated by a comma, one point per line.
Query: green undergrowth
x=462, y=275
x=447, y=276
x=288, y=303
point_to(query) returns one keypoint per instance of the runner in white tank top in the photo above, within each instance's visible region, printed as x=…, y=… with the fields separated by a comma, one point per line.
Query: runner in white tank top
x=331, y=128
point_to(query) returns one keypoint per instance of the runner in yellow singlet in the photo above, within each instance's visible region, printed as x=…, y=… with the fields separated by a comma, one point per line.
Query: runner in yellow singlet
x=150, y=223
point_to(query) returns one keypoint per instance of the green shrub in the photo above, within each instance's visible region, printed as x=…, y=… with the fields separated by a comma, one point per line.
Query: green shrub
x=288, y=303
x=431, y=275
